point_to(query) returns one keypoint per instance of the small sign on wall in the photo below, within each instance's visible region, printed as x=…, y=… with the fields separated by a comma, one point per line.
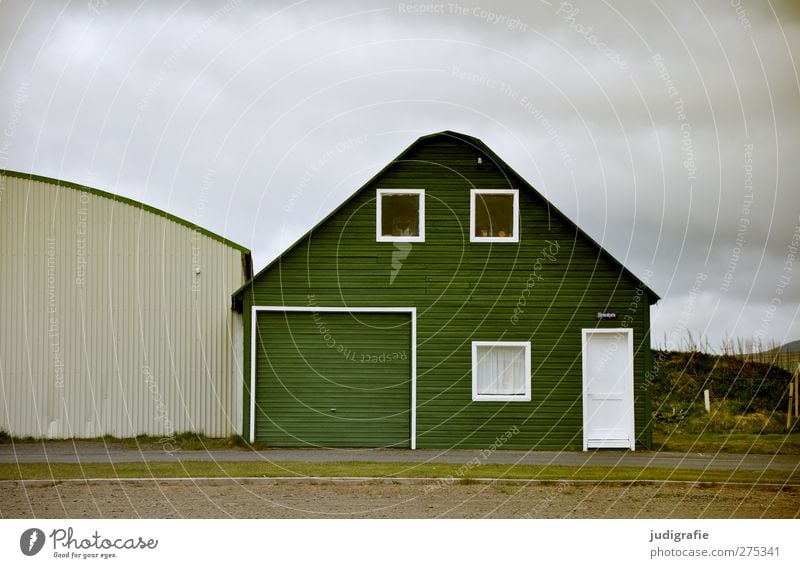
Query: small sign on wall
x=606, y=315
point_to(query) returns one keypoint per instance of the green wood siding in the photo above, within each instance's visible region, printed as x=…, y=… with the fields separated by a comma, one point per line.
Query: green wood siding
x=333, y=379
x=555, y=278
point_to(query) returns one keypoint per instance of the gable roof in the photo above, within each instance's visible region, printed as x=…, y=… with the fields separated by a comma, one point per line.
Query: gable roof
x=247, y=261
x=507, y=170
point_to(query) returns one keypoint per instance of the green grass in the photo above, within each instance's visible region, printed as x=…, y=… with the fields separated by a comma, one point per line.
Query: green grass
x=738, y=443
x=726, y=429
x=388, y=470
x=666, y=437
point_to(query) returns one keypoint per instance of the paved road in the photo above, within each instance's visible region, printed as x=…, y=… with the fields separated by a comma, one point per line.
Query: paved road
x=99, y=452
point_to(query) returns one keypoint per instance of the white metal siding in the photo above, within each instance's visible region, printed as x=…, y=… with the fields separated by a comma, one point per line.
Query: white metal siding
x=130, y=342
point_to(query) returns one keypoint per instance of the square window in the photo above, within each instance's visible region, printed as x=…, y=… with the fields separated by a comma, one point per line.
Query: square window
x=400, y=215
x=494, y=215
x=501, y=370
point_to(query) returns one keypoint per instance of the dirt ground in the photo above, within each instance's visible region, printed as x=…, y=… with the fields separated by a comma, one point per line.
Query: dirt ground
x=207, y=499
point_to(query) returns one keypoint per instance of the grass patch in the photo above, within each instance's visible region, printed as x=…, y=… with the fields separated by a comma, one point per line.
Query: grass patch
x=57, y=471
x=671, y=437
x=726, y=417
x=737, y=443
x=728, y=428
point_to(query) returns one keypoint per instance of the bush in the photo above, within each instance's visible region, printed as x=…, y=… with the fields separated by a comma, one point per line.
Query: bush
x=746, y=396
x=681, y=378
x=5, y=437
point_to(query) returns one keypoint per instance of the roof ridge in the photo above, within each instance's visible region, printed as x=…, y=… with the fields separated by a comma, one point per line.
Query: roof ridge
x=500, y=163
x=127, y=201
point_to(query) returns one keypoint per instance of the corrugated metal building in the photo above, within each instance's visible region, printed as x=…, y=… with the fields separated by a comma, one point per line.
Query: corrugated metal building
x=116, y=317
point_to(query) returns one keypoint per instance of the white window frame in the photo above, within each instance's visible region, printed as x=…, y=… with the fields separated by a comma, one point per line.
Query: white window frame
x=379, y=236
x=526, y=397
x=515, y=230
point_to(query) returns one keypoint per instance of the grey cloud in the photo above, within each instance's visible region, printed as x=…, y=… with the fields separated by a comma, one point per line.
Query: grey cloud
x=153, y=101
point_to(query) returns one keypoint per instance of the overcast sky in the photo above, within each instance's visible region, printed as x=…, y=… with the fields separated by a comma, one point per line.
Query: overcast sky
x=669, y=131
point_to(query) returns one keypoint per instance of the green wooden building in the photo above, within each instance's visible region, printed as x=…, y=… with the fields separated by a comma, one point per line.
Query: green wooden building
x=447, y=304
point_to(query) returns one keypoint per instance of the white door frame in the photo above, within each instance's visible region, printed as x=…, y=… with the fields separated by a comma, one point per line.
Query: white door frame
x=585, y=333
x=411, y=311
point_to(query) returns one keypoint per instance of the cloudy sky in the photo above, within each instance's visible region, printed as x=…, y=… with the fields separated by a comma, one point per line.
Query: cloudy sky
x=670, y=131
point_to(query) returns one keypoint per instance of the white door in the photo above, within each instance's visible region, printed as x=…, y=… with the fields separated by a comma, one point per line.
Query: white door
x=608, y=388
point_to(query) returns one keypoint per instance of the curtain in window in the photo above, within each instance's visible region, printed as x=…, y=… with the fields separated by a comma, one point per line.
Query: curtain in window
x=501, y=370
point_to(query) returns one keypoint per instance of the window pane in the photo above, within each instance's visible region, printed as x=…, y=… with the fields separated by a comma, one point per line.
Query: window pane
x=494, y=215
x=501, y=370
x=400, y=215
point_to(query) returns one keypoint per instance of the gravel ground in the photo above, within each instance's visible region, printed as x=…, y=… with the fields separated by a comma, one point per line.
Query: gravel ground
x=247, y=499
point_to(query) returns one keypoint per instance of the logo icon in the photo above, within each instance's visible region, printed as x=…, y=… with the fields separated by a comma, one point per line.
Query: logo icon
x=31, y=542
x=398, y=256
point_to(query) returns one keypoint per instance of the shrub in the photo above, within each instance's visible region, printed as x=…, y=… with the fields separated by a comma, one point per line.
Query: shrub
x=752, y=387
